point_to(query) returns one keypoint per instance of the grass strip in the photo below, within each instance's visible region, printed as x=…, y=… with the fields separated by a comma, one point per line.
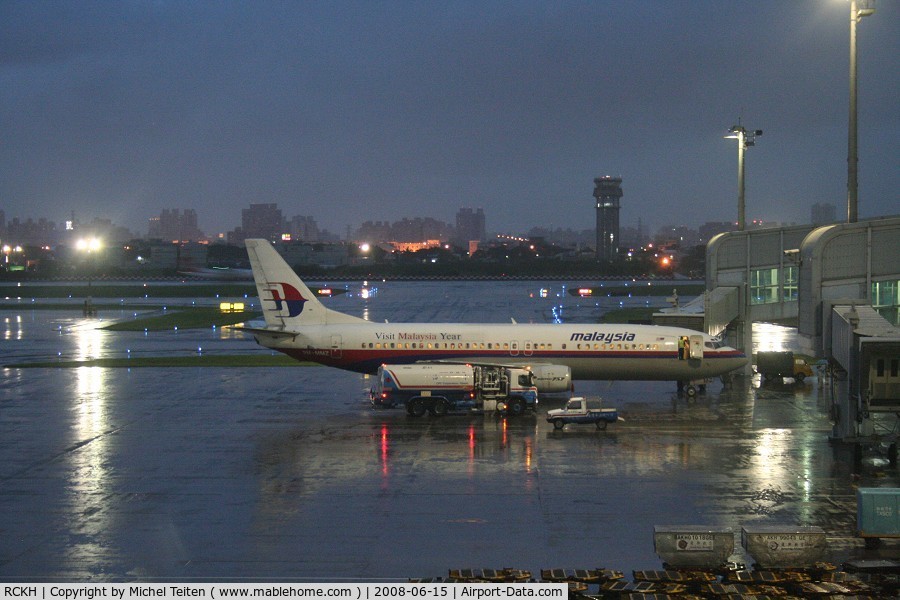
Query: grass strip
x=624, y=316
x=230, y=360
x=77, y=308
x=191, y=317
x=149, y=290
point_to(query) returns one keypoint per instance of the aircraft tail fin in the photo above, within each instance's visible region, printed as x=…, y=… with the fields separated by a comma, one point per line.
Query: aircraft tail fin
x=286, y=301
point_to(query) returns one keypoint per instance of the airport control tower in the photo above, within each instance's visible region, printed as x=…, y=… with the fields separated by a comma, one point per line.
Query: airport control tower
x=607, y=191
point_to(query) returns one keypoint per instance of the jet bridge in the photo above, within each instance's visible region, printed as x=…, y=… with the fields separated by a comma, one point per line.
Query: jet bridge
x=863, y=351
x=711, y=312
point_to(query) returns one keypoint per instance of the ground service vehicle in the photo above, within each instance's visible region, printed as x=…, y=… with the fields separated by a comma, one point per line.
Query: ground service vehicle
x=442, y=388
x=582, y=410
x=782, y=364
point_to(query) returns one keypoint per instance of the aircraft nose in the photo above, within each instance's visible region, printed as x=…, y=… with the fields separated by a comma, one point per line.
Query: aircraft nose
x=739, y=360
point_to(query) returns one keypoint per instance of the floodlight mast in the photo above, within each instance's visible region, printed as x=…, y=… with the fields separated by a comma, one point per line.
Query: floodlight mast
x=857, y=12
x=745, y=139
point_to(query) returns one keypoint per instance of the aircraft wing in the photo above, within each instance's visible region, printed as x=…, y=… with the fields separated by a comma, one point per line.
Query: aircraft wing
x=263, y=330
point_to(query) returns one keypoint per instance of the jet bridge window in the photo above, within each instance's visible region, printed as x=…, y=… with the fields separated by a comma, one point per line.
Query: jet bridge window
x=764, y=286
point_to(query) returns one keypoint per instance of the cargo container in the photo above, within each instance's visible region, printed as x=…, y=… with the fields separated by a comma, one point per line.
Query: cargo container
x=877, y=514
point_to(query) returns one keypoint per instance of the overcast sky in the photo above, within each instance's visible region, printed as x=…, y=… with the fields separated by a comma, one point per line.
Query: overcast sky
x=356, y=111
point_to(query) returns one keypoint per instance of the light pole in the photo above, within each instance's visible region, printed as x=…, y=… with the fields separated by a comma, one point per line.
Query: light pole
x=91, y=247
x=856, y=13
x=745, y=139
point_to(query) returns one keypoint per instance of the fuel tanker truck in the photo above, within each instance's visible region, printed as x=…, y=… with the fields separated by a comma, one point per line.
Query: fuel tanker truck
x=442, y=388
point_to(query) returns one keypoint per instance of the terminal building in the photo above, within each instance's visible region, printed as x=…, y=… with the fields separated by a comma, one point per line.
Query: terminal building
x=839, y=285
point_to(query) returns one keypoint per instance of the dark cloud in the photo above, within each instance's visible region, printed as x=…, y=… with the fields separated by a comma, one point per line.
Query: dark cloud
x=350, y=111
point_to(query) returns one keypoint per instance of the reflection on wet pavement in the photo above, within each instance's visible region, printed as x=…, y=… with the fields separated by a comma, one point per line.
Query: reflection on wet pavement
x=119, y=474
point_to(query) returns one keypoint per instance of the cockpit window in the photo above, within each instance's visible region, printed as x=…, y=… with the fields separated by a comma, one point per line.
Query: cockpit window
x=712, y=345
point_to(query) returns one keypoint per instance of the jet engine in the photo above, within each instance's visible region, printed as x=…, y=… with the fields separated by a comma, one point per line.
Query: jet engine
x=552, y=379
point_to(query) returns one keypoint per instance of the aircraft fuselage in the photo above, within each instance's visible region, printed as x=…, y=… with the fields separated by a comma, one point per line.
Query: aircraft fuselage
x=590, y=351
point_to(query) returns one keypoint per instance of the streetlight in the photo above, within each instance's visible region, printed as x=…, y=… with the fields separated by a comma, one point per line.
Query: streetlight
x=90, y=246
x=857, y=12
x=745, y=139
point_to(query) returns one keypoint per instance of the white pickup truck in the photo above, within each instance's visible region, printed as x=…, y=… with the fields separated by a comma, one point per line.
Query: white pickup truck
x=583, y=410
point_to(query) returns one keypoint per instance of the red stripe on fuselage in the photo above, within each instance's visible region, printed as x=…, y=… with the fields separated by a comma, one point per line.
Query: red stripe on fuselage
x=368, y=360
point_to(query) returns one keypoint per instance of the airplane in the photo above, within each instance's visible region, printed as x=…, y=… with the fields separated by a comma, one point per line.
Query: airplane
x=299, y=325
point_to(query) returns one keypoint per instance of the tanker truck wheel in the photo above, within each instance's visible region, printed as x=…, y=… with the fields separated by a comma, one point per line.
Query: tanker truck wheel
x=439, y=408
x=416, y=408
x=516, y=407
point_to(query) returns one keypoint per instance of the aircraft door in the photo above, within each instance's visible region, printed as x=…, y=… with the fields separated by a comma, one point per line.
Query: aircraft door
x=514, y=348
x=696, y=346
x=528, y=348
x=336, y=346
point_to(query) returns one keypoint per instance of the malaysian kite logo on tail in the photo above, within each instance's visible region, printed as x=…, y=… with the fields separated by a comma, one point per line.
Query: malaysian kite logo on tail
x=286, y=295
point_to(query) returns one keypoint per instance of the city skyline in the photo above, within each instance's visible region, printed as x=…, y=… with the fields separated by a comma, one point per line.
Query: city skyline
x=268, y=221
x=355, y=111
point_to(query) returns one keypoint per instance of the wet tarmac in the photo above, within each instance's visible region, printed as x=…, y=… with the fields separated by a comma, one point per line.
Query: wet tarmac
x=288, y=474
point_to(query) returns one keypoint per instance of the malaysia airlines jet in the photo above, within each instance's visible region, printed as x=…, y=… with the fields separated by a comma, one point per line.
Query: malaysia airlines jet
x=299, y=325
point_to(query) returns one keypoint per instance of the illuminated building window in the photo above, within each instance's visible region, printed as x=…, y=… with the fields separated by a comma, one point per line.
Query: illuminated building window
x=764, y=286
x=791, y=275
x=886, y=300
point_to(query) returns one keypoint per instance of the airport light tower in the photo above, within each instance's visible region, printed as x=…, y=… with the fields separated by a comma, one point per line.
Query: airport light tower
x=745, y=139
x=858, y=10
x=607, y=192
